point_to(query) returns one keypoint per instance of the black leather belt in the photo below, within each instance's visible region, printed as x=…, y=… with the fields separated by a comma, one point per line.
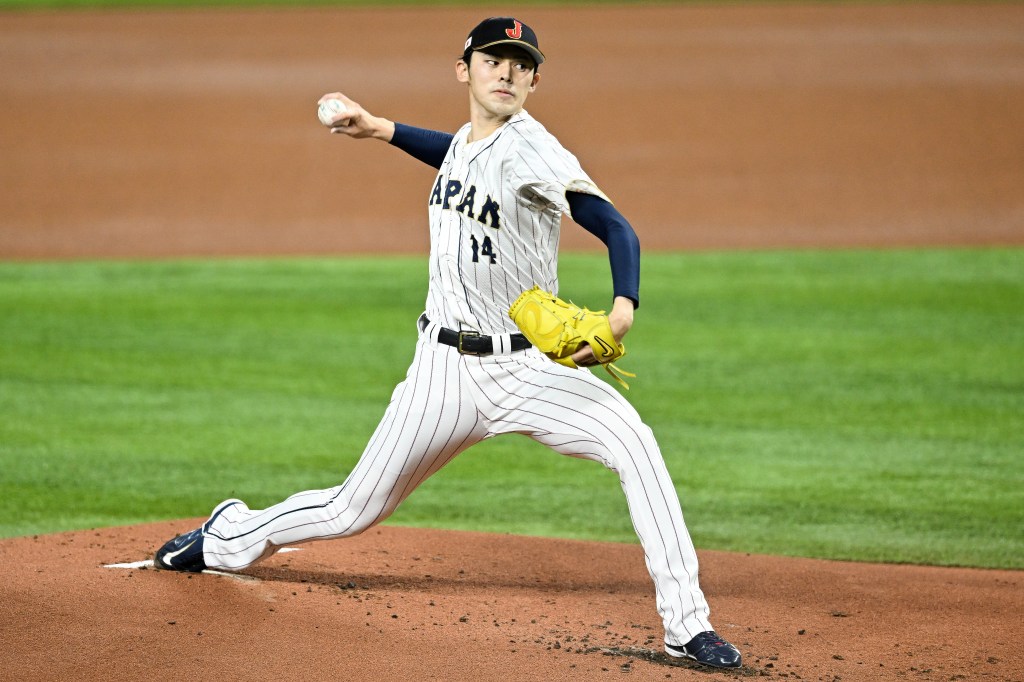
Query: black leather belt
x=472, y=343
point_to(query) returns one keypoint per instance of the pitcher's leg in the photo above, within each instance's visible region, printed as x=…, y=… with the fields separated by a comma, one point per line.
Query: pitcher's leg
x=627, y=447
x=579, y=415
x=425, y=425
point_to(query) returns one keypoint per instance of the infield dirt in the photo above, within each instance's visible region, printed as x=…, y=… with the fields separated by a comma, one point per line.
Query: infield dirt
x=170, y=133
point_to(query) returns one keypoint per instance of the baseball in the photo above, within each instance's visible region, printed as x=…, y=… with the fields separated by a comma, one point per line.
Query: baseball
x=328, y=109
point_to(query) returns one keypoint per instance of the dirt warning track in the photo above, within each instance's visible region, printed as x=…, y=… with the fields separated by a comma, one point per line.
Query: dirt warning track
x=163, y=133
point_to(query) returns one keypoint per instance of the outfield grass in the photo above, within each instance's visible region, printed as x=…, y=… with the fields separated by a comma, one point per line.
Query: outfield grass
x=856, y=405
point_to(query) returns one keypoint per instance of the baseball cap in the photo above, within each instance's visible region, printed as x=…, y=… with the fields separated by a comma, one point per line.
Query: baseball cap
x=503, y=30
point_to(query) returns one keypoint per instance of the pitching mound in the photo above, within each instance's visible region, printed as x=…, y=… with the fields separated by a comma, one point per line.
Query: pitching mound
x=402, y=603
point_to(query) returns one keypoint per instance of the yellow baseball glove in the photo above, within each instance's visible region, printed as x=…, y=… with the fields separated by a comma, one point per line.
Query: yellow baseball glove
x=559, y=329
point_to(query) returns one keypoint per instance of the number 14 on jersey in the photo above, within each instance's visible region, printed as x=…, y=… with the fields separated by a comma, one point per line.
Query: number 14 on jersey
x=483, y=248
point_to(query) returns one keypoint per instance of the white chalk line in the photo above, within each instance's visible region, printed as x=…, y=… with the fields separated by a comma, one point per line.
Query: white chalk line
x=135, y=564
x=148, y=563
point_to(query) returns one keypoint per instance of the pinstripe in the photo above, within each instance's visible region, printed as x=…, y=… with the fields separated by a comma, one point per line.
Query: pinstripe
x=423, y=383
x=511, y=292
x=410, y=486
x=460, y=254
x=447, y=451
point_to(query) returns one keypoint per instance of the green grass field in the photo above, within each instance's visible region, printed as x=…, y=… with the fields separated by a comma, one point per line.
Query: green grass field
x=848, y=404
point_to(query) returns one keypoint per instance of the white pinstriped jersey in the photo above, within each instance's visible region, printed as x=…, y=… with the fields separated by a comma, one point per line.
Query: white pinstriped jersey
x=495, y=214
x=495, y=217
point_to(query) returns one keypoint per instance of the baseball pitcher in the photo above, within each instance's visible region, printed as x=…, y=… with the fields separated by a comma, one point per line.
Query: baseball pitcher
x=497, y=351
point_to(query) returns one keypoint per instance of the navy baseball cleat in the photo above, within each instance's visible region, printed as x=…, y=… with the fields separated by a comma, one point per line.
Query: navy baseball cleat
x=185, y=552
x=707, y=648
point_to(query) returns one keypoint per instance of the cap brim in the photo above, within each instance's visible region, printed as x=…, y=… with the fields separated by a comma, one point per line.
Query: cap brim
x=537, y=55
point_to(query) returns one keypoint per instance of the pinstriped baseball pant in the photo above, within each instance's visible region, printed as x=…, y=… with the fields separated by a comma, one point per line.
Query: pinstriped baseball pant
x=448, y=402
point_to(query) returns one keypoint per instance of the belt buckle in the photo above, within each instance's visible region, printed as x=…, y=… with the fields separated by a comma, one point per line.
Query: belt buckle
x=463, y=351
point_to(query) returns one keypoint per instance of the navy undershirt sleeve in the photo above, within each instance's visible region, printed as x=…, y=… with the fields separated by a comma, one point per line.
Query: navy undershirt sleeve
x=429, y=146
x=604, y=221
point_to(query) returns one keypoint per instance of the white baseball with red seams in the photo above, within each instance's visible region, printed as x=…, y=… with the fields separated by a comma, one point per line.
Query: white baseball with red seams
x=328, y=109
x=495, y=212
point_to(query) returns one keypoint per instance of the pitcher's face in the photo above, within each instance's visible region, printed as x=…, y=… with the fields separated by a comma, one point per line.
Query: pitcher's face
x=499, y=79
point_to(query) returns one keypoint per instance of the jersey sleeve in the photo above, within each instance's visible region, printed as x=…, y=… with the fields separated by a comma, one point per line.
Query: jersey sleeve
x=543, y=171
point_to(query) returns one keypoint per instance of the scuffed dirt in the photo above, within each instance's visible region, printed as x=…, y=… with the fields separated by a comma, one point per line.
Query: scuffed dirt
x=404, y=603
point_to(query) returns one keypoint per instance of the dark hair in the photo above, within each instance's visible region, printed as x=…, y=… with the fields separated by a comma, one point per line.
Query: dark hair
x=469, y=53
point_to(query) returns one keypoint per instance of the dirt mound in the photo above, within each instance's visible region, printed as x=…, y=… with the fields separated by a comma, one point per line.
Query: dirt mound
x=402, y=603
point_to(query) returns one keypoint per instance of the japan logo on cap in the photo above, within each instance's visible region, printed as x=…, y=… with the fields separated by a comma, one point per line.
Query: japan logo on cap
x=502, y=30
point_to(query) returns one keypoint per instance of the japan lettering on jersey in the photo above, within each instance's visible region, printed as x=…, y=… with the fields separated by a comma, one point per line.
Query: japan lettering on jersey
x=495, y=215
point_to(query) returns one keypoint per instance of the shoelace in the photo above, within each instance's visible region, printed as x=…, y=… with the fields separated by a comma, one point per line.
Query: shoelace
x=709, y=638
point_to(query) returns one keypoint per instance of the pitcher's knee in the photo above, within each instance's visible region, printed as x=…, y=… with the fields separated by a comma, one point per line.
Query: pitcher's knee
x=352, y=519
